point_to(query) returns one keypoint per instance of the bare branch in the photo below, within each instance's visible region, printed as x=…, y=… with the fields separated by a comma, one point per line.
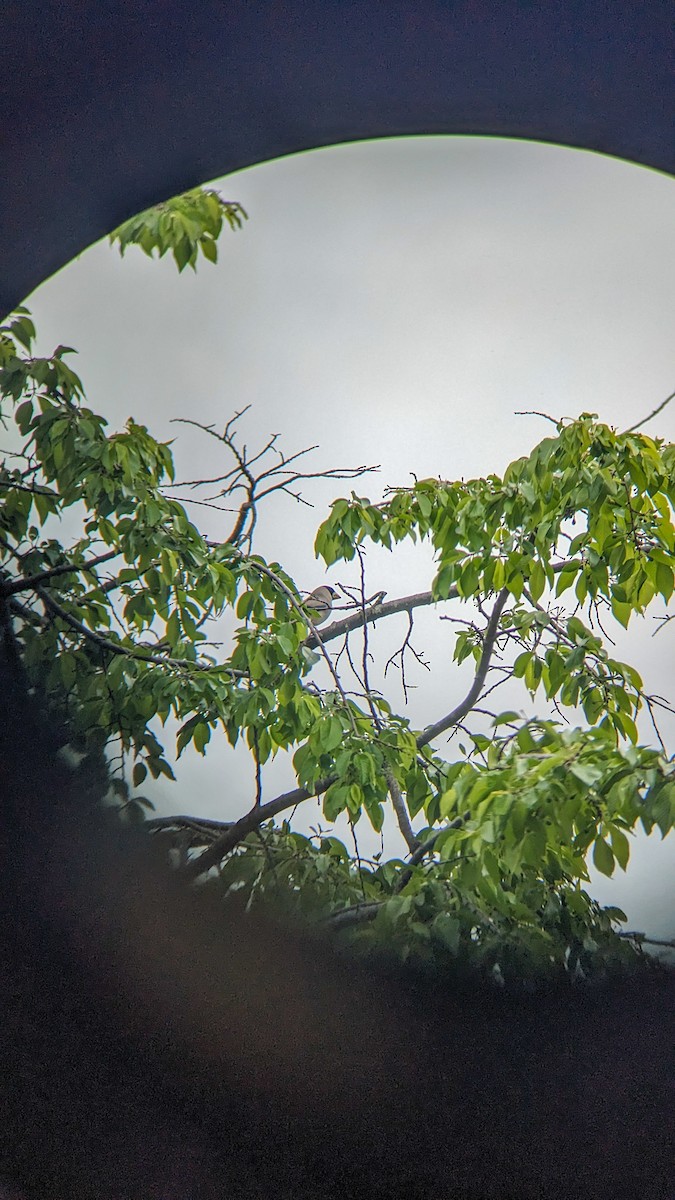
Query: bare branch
x=404, y=604
x=203, y=503
x=187, y=833
x=655, y=413
x=298, y=476
x=247, y=824
x=663, y=621
x=642, y=937
x=243, y=468
x=433, y=731
x=406, y=645
x=242, y=477
x=381, y=609
x=427, y=847
x=199, y=824
x=401, y=810
x=532, y=412
x=655, y=727
x=356, y=914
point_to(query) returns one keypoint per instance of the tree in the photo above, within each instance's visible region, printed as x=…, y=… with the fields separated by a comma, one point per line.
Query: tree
x=113, y=629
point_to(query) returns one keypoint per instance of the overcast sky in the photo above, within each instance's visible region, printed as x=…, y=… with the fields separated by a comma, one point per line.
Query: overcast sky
x=396, y=302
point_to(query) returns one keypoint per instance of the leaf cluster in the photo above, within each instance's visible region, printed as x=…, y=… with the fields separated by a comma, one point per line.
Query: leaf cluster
x=185, y=225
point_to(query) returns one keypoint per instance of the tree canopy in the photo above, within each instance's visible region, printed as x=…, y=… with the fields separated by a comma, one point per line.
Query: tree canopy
x=113, y=630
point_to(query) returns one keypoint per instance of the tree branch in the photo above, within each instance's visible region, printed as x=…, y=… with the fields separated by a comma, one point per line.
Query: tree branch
x=406, y=646
x=247, y=824
x=401, y=810
x=114, y=647
x=426, y=848
x=404, y=604
x=457, y=714
x=382, y=609
x=356, y=914
x=198, y=824
x=656, y=411
x=30, y=582
x=276, y=477
x=533, y=412
x=33, y=490
x=642, y=937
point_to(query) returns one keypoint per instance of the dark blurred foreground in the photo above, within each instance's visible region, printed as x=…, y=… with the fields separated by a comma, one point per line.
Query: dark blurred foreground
x=154, y=1049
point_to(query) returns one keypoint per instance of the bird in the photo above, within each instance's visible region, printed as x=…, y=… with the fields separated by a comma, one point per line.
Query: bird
x=319, y=604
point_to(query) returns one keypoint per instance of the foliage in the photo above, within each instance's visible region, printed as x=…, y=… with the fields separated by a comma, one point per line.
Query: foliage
x=114, y=629
x=184, y=225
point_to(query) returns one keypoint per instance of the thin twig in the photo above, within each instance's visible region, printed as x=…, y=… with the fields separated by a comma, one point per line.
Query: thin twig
x=400, y=653
x=532, y=412
x=242, y=477
x=258, y=774
x=655, y=413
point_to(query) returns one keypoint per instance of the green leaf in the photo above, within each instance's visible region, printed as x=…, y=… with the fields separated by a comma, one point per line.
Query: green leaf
x=335, y=801
x=620, y=847
x=209, y=249
x=622, y=612
x=506, y=718
x=586, y=773
x=566, y=579
x=201, y=736
x=522, y=663
x=614, y=913
x=537, y=581
x=603, y=858
x=355, y=799
x=664, y=581
x=23, y=416
x=331, y=734
x=375, y=813
x=139, y=773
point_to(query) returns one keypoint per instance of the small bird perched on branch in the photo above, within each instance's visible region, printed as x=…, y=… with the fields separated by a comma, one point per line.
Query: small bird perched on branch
x=319, y=604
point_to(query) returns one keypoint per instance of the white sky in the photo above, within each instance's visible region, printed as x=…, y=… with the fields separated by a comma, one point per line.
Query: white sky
x=396, y=302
